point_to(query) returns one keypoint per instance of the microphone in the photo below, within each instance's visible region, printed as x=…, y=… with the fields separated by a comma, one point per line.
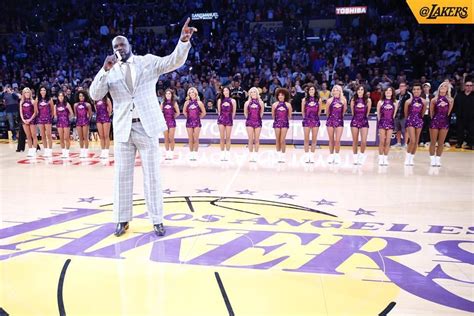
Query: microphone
x=117, y=54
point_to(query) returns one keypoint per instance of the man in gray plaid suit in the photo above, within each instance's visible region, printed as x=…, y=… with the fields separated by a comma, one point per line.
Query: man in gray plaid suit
x=138, y=121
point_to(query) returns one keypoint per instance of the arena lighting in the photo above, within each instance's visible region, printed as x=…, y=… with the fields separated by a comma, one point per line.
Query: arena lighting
x=205, y=16
x=351, y=10
x=313, y=39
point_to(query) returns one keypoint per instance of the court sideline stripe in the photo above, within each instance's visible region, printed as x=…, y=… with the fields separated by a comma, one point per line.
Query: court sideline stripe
x=190, y=204
x=387, y=309
x=231, y=208
x=224, y=294
x=62, y=311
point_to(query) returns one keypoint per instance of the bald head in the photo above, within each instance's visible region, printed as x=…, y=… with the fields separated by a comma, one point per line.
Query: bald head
x=120, y=38
x=120, y=44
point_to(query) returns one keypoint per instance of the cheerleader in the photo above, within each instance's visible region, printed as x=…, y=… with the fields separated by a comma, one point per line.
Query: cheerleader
x=170, y=110
x=311, y=110
x=103, y=110
x=440, y=110
x=414, y=109
x=45, y=107
x=386, y=111
x=83, y=112
x=253, y=112
x=63, y=114
x=194, y=111
x=360, y=108
x=335, y=122
x=425, y=131
x=281, y=114
x=28, y=112
x=226, y=108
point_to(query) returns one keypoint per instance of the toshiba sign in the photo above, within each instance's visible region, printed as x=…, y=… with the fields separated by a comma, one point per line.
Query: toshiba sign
x=351, y=10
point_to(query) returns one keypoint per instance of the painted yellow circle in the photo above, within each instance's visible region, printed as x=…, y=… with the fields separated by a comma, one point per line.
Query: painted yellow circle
x=265, y=252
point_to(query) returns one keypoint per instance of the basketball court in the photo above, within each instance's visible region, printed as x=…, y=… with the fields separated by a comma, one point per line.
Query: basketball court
x=243, y=238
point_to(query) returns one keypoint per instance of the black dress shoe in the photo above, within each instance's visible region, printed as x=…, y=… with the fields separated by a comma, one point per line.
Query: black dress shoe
x=159, y=229
x=121, y=228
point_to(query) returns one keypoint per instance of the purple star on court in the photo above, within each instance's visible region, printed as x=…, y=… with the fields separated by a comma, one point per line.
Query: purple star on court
x=361, y=211
x=246, y=191
x=168, y=191
x=325, y=202
x=88, y=200
x=205, y=190
x=286, y=196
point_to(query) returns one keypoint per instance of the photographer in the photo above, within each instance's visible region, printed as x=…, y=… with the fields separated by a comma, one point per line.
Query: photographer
x=11, y=99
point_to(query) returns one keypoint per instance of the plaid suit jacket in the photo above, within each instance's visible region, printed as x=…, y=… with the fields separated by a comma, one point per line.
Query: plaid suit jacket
x=148, y=70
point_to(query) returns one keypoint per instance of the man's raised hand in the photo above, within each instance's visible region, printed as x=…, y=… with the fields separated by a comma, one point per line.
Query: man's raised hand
x=109, y=62
x=187, y=31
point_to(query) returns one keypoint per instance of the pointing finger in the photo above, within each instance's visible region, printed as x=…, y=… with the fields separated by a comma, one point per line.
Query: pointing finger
x=187, y=22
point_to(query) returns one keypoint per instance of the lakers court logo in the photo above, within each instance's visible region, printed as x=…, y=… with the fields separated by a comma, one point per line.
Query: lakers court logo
x=272, y=257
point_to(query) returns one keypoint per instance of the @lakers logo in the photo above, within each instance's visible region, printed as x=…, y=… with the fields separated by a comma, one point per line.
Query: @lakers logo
x=265, y=245
x=436, y=11
x=442, y=11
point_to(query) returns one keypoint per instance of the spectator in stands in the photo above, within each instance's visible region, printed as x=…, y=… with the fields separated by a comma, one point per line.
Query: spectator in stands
x=11, y=99
x=265, y=96
x=324, y=95
x=464, y=109
x=239, y=95
x=210, y=108
x=209, y=93
x=402, y=95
